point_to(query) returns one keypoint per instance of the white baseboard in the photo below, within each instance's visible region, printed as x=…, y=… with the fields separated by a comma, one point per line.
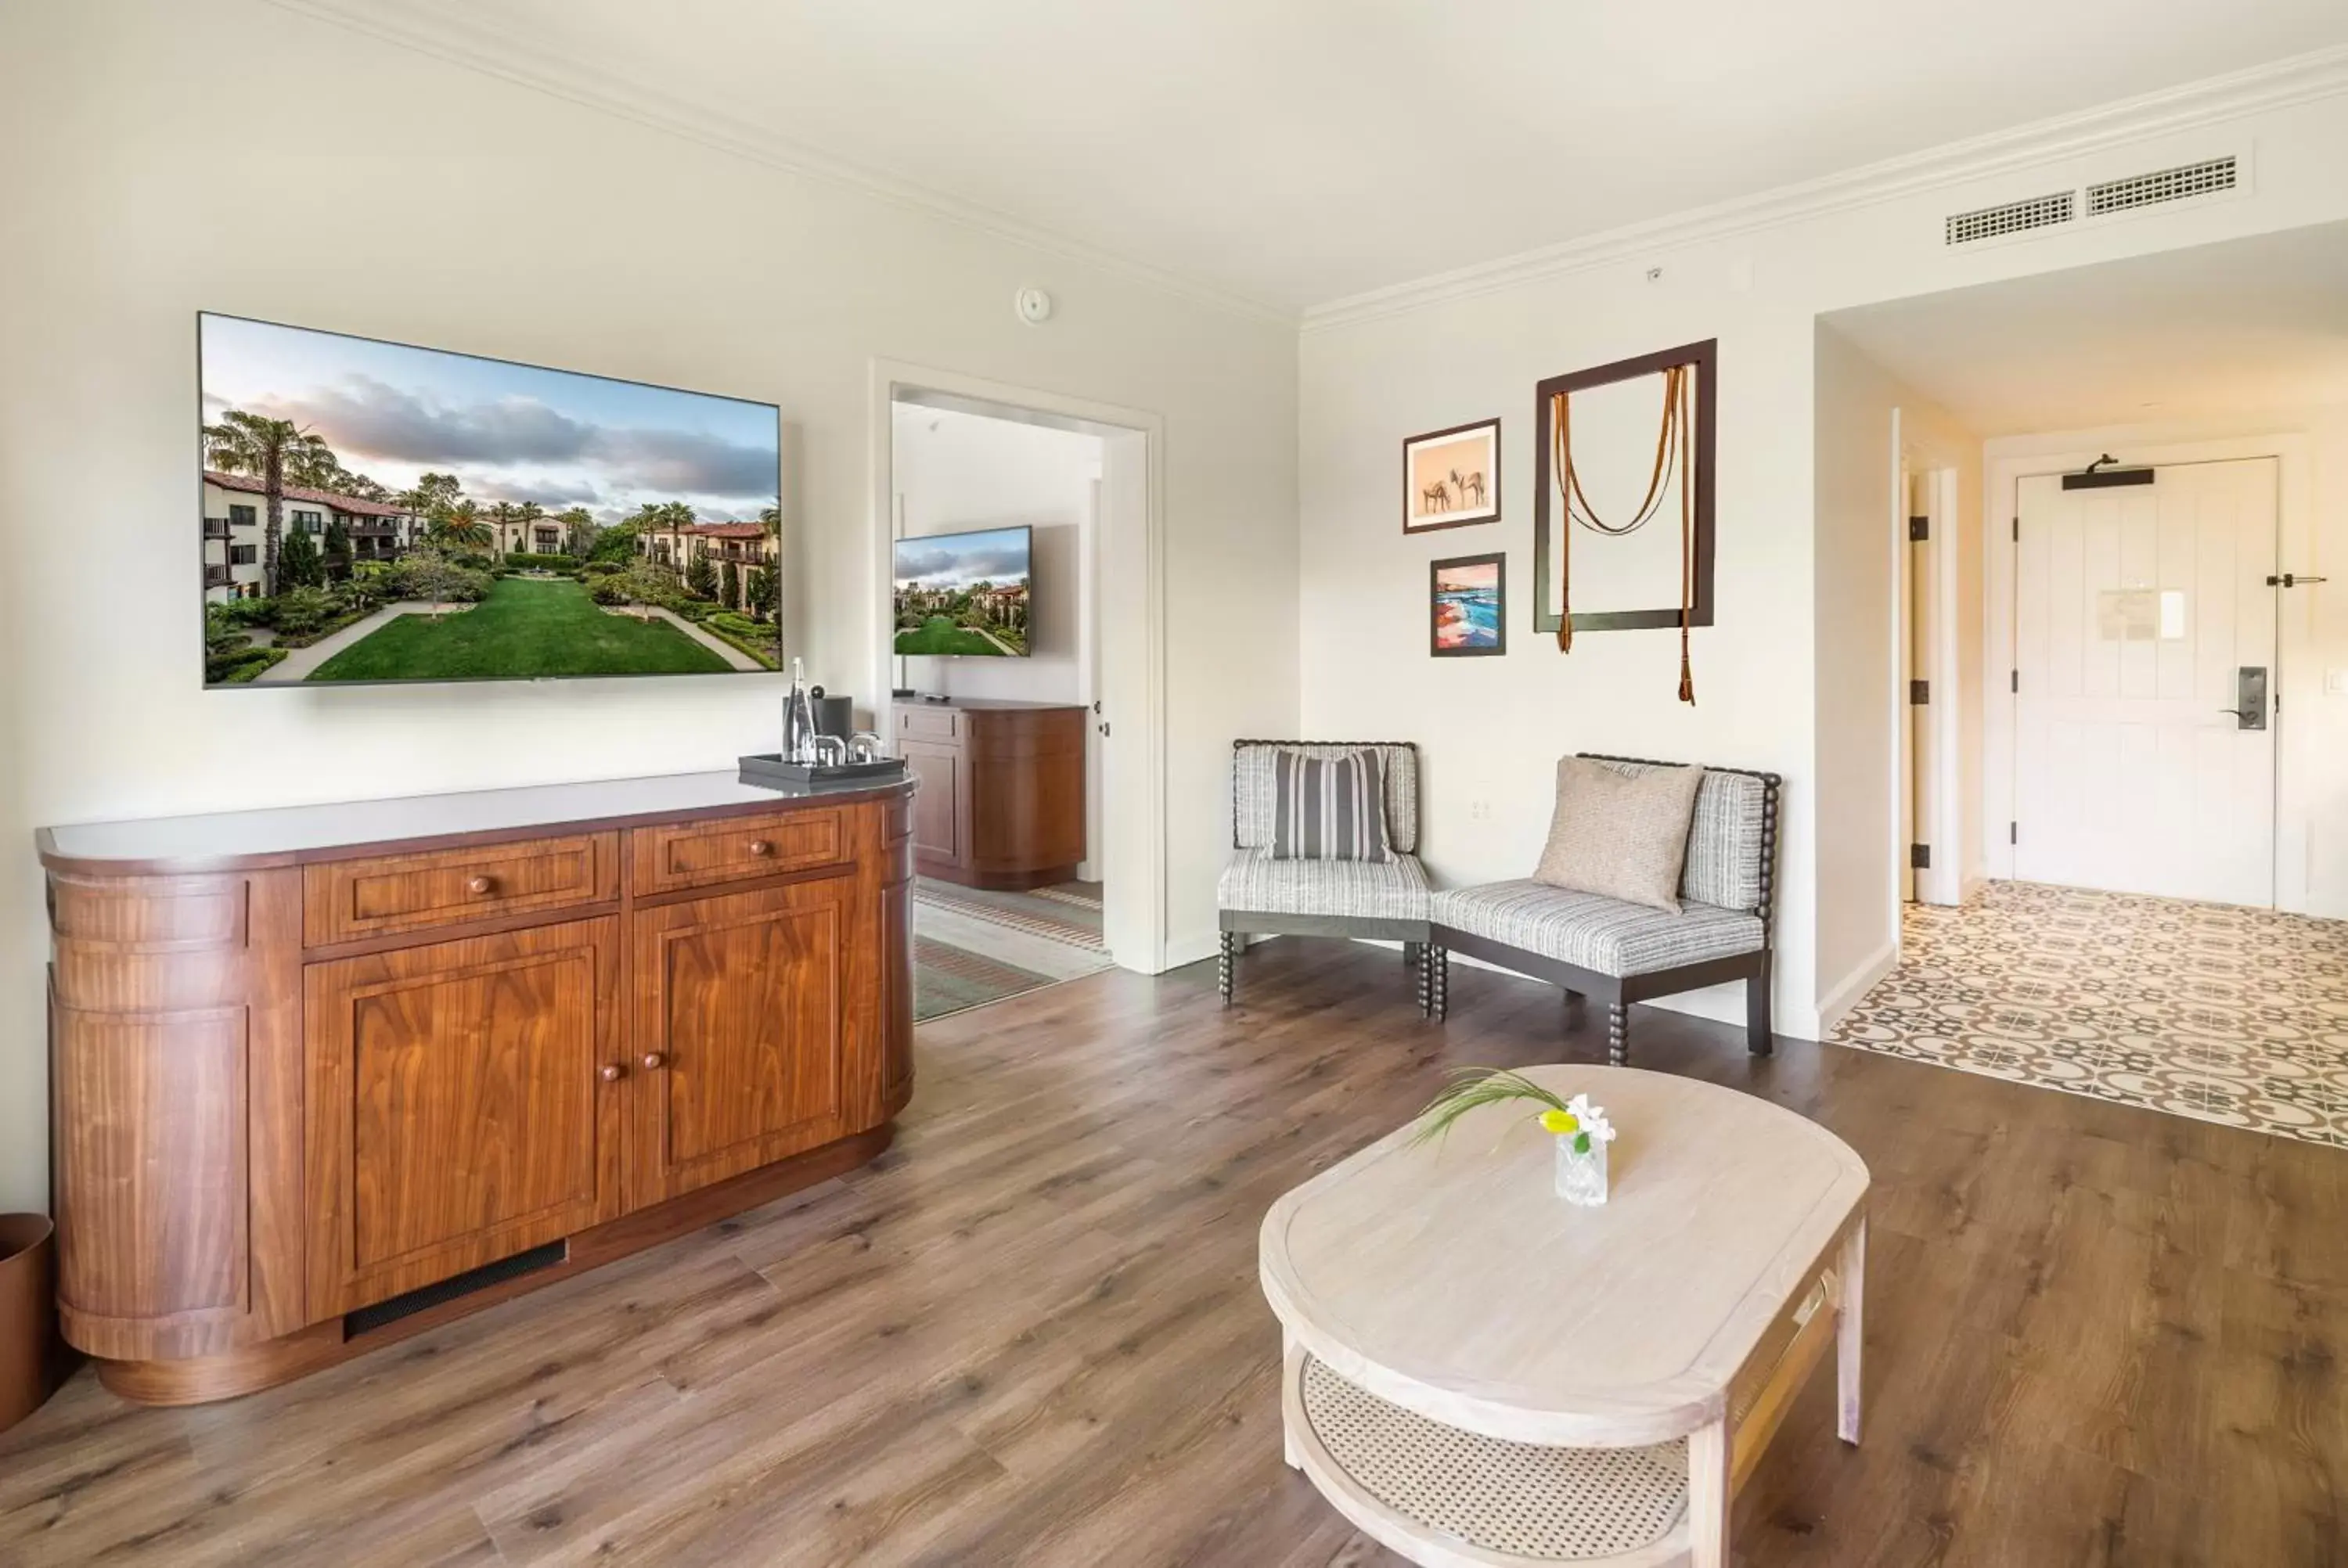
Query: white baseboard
x=1862, y=979
x=1193, y=947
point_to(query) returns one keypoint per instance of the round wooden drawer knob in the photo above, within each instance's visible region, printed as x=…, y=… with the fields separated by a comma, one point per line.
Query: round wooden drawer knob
x=760, y=846
x=653, y=1059
x=612, y=1072
x=481, y=885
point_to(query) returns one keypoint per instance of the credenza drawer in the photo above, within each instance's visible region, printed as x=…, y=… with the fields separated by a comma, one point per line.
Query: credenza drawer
x=929, y=723
x=735, y=849
x=350, y=901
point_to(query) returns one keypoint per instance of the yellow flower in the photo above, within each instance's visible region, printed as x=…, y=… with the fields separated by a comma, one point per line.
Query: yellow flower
x=1558, y=1121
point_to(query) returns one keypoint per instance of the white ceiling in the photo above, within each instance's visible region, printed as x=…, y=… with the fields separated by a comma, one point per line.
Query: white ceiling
x=2248, y=326
x=1297, y=151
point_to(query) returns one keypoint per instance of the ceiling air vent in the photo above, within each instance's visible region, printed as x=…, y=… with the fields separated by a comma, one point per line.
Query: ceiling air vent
x=2012, y=218
x=2169, y=185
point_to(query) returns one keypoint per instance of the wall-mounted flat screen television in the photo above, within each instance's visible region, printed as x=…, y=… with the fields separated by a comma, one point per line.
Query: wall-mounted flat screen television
x=964, y=593
x=378, y=512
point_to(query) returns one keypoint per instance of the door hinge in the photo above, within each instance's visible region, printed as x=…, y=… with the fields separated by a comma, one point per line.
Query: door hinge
x=2014, y=833
x=2017, y=531
x=1919, y=529
x=1920, y=856
x=1919, y=691
x=2017, y=681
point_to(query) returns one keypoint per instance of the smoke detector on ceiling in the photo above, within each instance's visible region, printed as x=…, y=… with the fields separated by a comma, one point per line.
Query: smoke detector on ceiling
x=1033, y=306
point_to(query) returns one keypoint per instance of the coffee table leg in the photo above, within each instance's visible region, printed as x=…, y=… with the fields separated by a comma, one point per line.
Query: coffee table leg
x=1708, y=1499
x=1848, y=1329
x=1288, y=1372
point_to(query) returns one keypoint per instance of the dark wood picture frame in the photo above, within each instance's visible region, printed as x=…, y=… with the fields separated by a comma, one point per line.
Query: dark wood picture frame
x=1412, y=523
x=1499, y=562
x=1705, y=357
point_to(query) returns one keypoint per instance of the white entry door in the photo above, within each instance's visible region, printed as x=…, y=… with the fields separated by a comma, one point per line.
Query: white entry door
x=2141, y=765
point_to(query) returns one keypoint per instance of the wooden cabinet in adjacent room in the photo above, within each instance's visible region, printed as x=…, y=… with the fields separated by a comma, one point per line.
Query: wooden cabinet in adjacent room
x=328, y=1076
x=1002, y=802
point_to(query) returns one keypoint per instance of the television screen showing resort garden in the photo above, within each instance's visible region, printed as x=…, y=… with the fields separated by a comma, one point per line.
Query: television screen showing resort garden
x=378, y=512
x=963, y=594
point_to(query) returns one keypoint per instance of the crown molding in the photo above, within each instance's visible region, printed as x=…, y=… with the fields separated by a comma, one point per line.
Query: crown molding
x=2214, y=101
x=443, y=32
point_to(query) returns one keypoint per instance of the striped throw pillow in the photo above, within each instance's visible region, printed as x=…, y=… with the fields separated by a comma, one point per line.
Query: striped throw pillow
x=1328, y=808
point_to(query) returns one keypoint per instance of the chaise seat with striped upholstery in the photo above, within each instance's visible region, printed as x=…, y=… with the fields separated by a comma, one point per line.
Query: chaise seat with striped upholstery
x=1621, y=952
x=1262, y=894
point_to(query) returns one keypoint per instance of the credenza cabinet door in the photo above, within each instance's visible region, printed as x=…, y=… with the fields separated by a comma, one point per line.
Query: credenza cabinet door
x=466, y=1102
x=941, y=807
x=739, y=1032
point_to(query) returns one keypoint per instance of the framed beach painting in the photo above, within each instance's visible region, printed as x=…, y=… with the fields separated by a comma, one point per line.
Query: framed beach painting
x=1451, y=478
x=1467, y=606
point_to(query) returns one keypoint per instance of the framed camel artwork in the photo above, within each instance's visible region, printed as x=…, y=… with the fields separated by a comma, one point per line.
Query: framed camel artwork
x=1624, y=503
x=1451, y=478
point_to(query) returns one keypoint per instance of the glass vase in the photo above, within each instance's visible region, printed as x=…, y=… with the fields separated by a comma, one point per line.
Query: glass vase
x=1581, y=1177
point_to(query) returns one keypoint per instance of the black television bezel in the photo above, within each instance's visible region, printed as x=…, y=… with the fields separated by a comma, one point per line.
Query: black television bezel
x=1027, y=529
x=420, y=681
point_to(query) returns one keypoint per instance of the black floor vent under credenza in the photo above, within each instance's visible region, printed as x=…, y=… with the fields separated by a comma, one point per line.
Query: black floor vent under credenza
x=368, y=1319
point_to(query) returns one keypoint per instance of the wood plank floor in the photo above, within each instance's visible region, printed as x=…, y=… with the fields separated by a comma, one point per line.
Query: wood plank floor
x=1031, y=1332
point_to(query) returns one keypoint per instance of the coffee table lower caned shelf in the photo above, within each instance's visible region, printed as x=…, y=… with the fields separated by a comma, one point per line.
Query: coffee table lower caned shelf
x=1487, y=1501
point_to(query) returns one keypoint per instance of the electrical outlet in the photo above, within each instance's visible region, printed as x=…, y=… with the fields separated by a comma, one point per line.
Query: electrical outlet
x=2335, y=683
x=1479, y=810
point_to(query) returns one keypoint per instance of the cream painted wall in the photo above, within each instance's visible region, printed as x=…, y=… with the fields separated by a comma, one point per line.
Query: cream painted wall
x=411, y=200
x=2312, y=758
x=1867, y=421
x=1469, y=349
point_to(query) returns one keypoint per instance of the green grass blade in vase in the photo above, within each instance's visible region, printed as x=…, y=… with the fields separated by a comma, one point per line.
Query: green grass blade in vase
x=1470, y=1087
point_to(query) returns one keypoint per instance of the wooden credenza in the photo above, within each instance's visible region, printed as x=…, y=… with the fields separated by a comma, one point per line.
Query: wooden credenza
x=1003, y=790
x=325, y=1077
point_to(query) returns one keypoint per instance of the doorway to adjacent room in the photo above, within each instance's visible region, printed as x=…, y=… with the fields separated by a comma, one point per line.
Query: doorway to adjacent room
x=1019, y=645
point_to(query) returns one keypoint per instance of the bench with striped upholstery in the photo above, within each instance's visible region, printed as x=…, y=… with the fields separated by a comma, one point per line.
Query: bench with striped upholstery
x=1260, y=895
x=1620, y=952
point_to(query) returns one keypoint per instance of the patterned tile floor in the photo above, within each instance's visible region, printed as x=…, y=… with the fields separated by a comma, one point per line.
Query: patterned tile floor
x=2231, y=1015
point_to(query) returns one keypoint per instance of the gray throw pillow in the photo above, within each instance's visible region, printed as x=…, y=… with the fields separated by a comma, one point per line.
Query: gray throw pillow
x=1620, y=833
x=1328, y=808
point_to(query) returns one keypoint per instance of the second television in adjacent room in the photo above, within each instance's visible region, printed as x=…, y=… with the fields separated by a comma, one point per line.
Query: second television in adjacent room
x=965, y=594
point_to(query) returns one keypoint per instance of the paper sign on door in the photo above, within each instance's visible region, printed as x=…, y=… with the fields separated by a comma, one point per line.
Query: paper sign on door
x=2140, y=614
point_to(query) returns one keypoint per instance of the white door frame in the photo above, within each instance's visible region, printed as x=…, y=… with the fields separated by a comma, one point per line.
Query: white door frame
x=2002, y=480
x=1134, y=443
x=1941, y=826
x=1944, y=792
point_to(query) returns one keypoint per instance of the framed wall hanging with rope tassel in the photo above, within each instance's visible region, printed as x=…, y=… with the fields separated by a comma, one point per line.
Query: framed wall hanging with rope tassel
x=1622, y=507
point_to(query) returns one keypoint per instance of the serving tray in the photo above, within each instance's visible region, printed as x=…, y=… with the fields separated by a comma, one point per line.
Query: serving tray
x=770, y=769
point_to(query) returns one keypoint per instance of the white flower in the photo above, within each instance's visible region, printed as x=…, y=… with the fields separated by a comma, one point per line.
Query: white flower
x=1592, y=1119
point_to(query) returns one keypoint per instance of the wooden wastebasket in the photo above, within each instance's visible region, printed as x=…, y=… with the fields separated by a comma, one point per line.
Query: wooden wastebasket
x=29, y=1358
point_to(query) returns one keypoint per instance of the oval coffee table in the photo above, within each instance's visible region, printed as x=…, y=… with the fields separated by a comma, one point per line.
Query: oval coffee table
x=1477, y=1371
